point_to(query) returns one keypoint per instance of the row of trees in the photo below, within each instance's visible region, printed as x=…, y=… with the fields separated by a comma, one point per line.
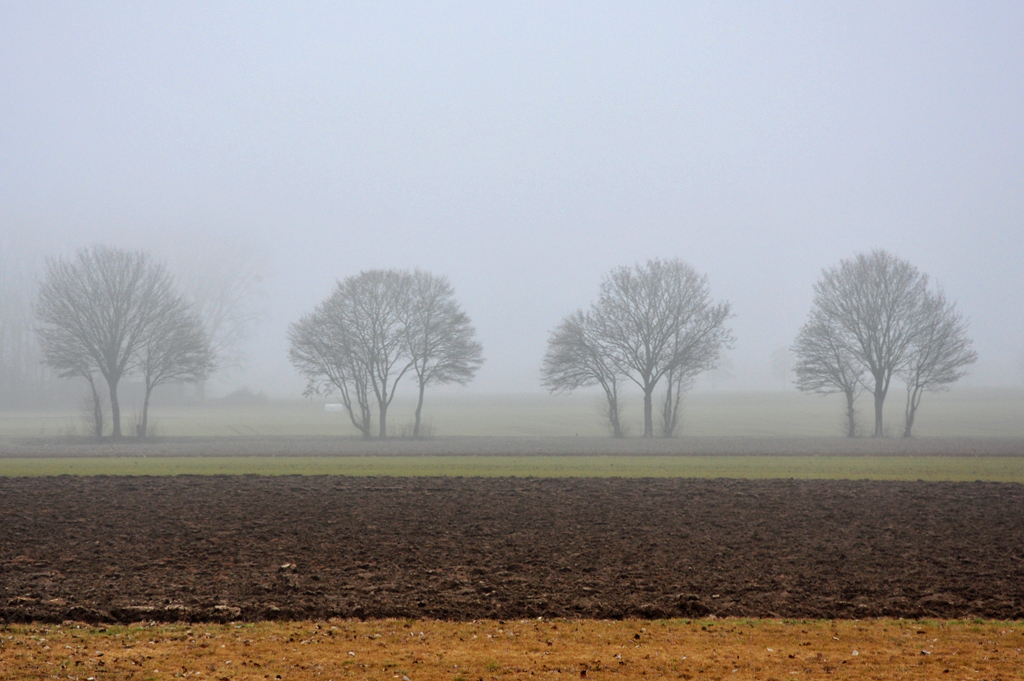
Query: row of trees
x=875, y=318
x=375, y=329
x=106, y=313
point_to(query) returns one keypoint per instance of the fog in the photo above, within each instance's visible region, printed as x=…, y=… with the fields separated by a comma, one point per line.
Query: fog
x=525, y=151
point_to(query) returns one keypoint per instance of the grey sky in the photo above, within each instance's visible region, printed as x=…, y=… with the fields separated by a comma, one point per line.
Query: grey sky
x=525, y=150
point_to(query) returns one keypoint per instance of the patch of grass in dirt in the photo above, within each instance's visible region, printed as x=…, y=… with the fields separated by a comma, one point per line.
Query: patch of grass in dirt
x=929, y=468
x=425, y=650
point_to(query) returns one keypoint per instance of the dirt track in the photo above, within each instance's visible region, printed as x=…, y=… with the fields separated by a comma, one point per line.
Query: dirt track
x=216, y=548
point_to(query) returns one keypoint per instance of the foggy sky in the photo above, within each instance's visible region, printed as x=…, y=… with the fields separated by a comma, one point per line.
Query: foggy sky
x=524, y=151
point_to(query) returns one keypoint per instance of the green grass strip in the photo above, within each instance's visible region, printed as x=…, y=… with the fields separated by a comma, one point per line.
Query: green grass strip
x=995, y=469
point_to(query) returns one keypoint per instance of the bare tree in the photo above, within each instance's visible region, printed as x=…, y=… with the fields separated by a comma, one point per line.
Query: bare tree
x=322, y=350
x=439, y=338
x=939, y=351
x=873, y=302
x=657, y=319
x=175, y=348
x=650, y=322
x=576, y=357
x=362, y=341
x=94, y=312
x=824, y=365
x=376, y=327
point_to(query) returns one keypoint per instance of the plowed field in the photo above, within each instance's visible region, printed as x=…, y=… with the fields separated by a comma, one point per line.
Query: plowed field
x=220, y=548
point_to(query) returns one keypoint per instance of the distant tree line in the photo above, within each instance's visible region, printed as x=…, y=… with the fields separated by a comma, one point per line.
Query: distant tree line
x=106, y=313
x=375, y=329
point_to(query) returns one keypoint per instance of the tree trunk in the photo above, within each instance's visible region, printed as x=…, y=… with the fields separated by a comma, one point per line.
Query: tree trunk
x=879, y=401
x=913, y=400
x=611, y=394
x=115, y=410
x=851, y=423
x=613, y=417
x=648, y=416
x=613, y=413
x=909, y=425
x=97, y=410
x=419, y=408
x=383, y=430
x=666, y=411
x=670, y=410
x=145, y=413
x=366, y=419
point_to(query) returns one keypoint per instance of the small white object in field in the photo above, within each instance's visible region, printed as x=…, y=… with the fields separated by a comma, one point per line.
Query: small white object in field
x=334, y=407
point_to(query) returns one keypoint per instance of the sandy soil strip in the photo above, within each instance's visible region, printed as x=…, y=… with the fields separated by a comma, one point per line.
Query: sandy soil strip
x=560, y=649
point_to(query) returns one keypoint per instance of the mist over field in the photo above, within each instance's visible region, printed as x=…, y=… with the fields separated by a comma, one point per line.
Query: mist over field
x=524, y=152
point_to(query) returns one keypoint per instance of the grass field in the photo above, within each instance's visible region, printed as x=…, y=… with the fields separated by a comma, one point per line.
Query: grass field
x=959, y=413
x=931, y=468
x=522, y=649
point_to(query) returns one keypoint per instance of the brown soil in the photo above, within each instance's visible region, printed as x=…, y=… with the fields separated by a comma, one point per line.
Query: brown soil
x=195, y=548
